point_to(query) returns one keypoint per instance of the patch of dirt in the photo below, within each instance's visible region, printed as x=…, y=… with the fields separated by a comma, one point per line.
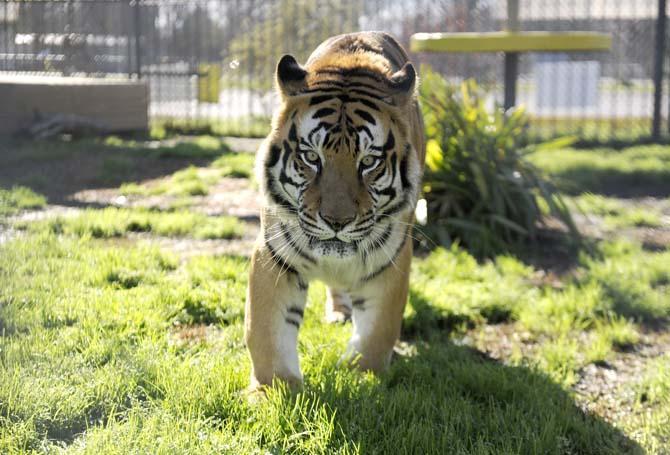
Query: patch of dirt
x=7, y=232
x=230, y=196
x=653, y=238
x=235, y=197
x=184, y=336
x=243, y=144
x=499, y=341
x=186, y=247
x=604, y=388
x=608, y=388
x=60, y=175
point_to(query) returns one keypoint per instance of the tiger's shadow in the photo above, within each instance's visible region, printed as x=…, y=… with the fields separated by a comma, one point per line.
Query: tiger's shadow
x=445, y=398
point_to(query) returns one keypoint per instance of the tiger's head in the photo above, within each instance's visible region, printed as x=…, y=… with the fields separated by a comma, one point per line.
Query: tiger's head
x=340, y=159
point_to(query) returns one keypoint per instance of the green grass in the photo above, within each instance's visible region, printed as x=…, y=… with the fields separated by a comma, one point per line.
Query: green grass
x=19, y=198
x=116, y=222
x=115, y=161
x=628, y=172
x=193, y=181
x=236, y=165
x=616, y=213
x=654, y=388
x=110, y=348
x=599, y=129
x=110, y=345
x=203, y=146
x=246, y=126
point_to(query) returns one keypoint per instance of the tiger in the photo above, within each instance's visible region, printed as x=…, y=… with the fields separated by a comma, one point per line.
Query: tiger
x=340, y=175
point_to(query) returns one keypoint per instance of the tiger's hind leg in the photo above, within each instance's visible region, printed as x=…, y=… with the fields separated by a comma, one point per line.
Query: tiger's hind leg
x=378, y=308
x=338, y=306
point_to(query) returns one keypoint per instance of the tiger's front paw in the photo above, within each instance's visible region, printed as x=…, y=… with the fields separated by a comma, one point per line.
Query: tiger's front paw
x=338, y=317
x=258, y=388
x=376, y=362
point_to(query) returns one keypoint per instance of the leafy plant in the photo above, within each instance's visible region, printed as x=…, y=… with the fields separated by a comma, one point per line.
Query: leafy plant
x=479, y=188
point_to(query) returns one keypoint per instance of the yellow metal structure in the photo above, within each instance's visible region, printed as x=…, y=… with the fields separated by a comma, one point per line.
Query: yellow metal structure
x=510, y=42
x=209, y=82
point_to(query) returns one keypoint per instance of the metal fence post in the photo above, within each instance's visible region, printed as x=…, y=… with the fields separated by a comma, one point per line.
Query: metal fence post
x=659, y=58
x=129, y=13
x=138, y=44
x=511, y=58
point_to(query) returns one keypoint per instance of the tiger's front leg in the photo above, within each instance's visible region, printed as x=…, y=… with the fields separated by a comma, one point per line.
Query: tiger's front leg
x=273, y=314
x=378, y=308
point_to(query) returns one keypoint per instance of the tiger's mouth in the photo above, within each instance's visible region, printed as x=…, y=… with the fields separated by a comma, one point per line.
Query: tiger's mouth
x=332, y=247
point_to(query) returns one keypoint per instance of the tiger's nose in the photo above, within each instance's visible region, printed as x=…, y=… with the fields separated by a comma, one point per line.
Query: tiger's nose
x=337, y=223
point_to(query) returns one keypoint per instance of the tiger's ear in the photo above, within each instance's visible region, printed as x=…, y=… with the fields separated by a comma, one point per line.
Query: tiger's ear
x=402, y=84
x=291, y=77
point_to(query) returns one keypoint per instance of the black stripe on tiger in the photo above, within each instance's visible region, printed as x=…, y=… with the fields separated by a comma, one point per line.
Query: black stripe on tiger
x=302, y=286
x=377, y=272
x=404, y=179
x=362, y=227
x=274, y=156
x=324, y=112
x=369, y=104
x=284, y=179
x=390, y=192
x=390, y=142
x=367, y=131
x=379, y=242
x=292, y=133
x=292, y=322
x=280, y=261
x=336, y=93
x=275, y=195
x=395, y=208
x=394, y=161
x=382, y=239
x=365, y=116
x=309, y=223
x=354, y=72
x=358, y=304
x=308, y=216
x=296, y=310
x=319, y=99
x=360, y=92
x=329, y=85
x=292, y=242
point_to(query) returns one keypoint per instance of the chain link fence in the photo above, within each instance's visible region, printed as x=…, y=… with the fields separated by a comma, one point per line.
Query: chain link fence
x=213, y=60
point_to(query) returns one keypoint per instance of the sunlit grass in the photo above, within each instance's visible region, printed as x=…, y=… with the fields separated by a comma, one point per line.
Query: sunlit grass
x=608, y=171
x=106, y=347
x=116, y=222
x=194, y=181
x=19, y=198
x=616, y=213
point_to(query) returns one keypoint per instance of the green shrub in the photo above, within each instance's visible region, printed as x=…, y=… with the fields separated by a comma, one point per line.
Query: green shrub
x=479, y=188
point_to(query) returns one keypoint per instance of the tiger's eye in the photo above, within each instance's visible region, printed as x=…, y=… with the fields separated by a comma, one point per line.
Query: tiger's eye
x=312, y=156
x=368, y=161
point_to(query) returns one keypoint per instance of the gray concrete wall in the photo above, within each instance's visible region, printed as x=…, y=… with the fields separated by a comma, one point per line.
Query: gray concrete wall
x=117, y=104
